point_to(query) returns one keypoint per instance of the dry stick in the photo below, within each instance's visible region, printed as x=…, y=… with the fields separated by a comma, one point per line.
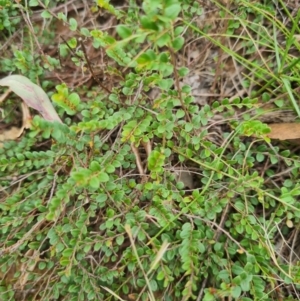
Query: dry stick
x=220, y=53
x=37, y=14
x=30, y=26
x=139, y=164
x=3, y=96
x=70, y=48
x=199, y=298
x=222, y=222
x=11, y=249
x=9, y=41
x=129, y=233
x=138, y=159
x=173, y=59
x=90, y=67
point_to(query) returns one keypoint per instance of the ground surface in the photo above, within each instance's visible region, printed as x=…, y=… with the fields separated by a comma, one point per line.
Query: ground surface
x=161, y=183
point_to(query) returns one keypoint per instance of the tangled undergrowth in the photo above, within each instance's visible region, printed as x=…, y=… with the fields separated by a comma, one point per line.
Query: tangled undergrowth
x=161, y=183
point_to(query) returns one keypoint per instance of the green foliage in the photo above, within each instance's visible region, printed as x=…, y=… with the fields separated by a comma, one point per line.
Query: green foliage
x=70, y=102
x=9, y=16
x=70, y=192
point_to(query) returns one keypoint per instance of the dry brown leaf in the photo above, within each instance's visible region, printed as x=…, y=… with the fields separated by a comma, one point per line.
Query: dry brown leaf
x=14, y=133
x=284, y=131
x=11, y=134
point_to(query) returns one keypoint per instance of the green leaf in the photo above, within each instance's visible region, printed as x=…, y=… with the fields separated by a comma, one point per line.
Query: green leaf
x=208, y=296
x=237, y=269
x=64, y=261
x=147, y=23
x=123, y=31
x=150, y=6
x=180, y=113
x=273, y=159
x=46, y=15
x=62, y=16
x=98, y=246
x=110, y=168
x=33, y=3
x=186, y=89
x=73, y=24
x=67, y=252
x=260, y=157
x=165, y=84
x=50, y=216
x=74, y=99
x=81, y=176
x=163, y=40
x=288, y=183
x=188, y=127
x=125, y=289
x=164, y=58
x=120, y=239
x=144, y=58
x=201, y=247
x=155, y=160
x=236, y=292
x=279, y=103
x=103, y=177
x=42, y=265
x=95, y=166
x=172, y=11
x=94, y=182
x=178, y=30
x=34, y=245
x=224, y=275
x=85, y=32
x=177, y=43
x=183, y=71
x=72, y=44
x=245, y=285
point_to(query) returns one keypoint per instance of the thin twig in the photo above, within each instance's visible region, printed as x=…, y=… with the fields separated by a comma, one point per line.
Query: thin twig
x=90, y=67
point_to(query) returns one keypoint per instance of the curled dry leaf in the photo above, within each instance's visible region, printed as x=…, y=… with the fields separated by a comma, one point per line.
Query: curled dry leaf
x=13, y=133
x=10, y=134
x=33, y=95
x=26, y=122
